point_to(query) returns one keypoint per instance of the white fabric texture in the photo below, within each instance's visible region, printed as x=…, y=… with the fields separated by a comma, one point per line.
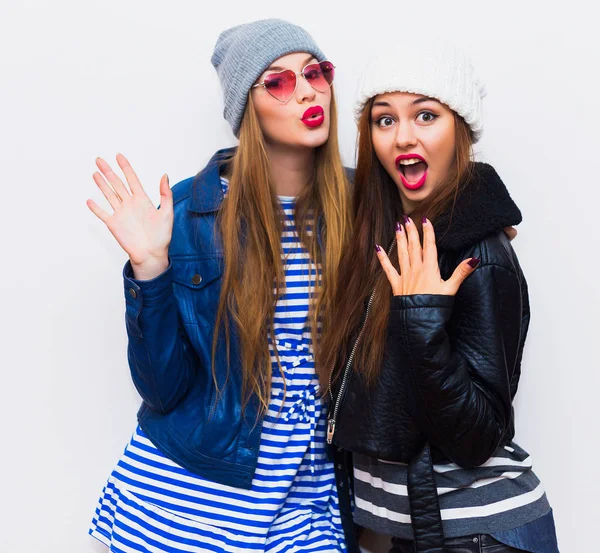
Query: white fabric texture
x=438, y=70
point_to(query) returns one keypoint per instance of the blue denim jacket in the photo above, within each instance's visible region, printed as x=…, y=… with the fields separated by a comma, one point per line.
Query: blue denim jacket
x=170, y=321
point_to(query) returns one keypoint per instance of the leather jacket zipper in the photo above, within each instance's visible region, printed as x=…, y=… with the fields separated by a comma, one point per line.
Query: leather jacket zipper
x=333, y=417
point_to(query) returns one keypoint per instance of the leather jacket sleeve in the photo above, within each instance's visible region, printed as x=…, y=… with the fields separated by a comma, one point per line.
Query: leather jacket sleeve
x=463, y=359
x=160, y=357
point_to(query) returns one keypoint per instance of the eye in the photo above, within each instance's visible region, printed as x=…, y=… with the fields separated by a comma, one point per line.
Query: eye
x=312, y=74
x=426, y=117
x=276, y=81
x=385, y=121
x=273, y=81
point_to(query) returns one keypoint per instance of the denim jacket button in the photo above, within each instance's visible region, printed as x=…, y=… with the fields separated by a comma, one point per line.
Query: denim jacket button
x=196, y=279
x=132, y=293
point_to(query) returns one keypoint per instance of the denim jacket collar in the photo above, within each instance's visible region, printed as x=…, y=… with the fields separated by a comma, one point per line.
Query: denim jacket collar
x=207, y=193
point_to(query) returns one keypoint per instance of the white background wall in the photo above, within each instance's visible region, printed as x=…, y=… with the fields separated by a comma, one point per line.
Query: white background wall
x=80, y=79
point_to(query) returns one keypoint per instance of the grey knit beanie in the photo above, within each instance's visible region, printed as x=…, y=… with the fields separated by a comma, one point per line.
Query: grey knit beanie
x=242, y=54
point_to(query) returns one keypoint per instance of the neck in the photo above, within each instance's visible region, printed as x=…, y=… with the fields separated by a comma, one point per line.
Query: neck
x=291, y=168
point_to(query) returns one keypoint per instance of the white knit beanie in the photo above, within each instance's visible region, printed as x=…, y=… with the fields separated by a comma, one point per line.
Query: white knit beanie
x=438, y=70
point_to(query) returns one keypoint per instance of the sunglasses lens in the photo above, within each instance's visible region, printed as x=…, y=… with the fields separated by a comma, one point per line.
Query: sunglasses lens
x=320, y=75
x=281, y=85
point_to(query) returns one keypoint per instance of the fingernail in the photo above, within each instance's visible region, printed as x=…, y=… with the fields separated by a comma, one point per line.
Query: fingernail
x=167, y=178
x=474, y=262
x=424, y=220
x=406, y=220
x=398, y=227
x=377, y=248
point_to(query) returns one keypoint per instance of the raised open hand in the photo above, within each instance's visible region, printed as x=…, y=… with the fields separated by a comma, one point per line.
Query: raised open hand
x=140, y=228
x=419, y=269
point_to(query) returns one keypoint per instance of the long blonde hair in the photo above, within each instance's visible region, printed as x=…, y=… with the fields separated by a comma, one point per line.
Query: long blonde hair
x=251, y=222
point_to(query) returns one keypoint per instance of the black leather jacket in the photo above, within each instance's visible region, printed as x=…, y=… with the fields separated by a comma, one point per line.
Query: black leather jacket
x=451, y=364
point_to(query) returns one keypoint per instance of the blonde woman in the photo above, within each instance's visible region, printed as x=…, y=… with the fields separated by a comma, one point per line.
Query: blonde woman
x=224, y=286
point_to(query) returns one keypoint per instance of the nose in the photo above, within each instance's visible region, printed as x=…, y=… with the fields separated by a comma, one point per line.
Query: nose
x=405, y=136
x=304, y=92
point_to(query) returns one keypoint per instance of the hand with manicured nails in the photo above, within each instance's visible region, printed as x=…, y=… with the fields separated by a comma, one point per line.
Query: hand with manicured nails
x=419, y=269
x=142, y=230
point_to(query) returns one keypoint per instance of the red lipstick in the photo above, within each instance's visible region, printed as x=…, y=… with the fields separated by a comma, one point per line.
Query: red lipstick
x=313, y=117
x=417, y=174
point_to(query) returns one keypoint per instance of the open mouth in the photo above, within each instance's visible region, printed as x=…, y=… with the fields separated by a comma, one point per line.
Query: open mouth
x=413, y=170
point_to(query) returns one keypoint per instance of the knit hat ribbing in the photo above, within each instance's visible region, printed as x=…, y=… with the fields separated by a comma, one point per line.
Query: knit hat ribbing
x=437, y=70
x=242, y=54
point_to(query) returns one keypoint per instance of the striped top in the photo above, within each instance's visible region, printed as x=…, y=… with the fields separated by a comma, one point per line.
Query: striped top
x=151, y=504
x=499, y=495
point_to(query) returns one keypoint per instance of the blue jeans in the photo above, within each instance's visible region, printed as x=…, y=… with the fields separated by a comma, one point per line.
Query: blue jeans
x=538, y=536
x=482, y=543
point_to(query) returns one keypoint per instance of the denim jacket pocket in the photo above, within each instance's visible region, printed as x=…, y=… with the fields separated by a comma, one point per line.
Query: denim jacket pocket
x=197, y=287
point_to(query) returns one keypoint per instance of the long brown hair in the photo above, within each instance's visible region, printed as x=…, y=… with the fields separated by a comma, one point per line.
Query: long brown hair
x=251, y=222
x=377, y=207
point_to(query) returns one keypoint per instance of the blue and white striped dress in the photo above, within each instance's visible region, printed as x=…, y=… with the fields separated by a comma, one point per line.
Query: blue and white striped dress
x=151, y=504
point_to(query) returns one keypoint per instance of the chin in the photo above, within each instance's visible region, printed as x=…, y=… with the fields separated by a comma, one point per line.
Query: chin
x=416, y=195
x=301, y=138
x=314, y=138
x=413, y=196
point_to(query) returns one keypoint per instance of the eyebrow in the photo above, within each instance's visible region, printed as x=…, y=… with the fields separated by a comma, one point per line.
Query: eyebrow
x=425, y=99
x=382, y=103
x=279, y=68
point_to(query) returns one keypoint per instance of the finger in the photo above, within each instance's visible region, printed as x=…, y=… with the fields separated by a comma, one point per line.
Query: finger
x=461, y=272
x=98, y=211
x=391, y=273
x=415, y=252
x=166, y=195
x=130, y=175
x=108, y=192
x=112, y=178
x=430, y=256
x=511, y=232
x=402, y=247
